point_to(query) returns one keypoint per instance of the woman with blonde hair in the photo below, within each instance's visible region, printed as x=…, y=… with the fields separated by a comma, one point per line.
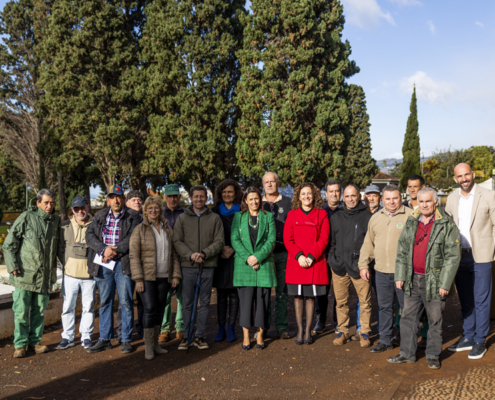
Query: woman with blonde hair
x=155, y=267
x=306, y=235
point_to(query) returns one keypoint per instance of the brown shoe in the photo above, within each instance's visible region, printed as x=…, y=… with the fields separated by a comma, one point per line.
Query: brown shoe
x=39, y=348
x=179, y=335
x=20, y=353
x=164, y=337
x=365, y=340
x=342, y=338
x=356, y=337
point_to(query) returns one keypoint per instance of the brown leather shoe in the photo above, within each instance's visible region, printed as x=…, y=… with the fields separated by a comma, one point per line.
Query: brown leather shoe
x=365, y=340
x=164, y=337
x=20, y=353
x=342, y=338
x=39, y=348
x=179, y=335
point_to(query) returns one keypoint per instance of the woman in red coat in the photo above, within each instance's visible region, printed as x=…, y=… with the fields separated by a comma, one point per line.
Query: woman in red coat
x=306, y=235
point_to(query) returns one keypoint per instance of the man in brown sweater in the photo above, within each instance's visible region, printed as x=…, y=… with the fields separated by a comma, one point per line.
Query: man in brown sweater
x=380, y=245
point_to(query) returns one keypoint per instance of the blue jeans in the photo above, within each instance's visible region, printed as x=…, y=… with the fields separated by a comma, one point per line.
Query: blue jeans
x=107, y=280
x=474, y=285
x=358, y=308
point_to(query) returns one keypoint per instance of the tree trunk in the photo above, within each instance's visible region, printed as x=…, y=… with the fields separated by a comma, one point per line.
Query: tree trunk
x=62, y=201
x=87, y=195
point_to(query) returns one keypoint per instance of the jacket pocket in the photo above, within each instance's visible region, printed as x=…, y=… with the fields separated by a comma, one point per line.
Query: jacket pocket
x=80, y=251
x=27, y=277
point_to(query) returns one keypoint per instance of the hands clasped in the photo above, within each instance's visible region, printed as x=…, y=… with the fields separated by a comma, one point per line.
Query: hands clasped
x=305, y=262
x=253, y=262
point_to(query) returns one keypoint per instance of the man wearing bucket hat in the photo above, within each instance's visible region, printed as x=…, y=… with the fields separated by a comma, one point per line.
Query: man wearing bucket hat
x=108, y=237
x=372, y=198
x=73, y=254
x=171, y=212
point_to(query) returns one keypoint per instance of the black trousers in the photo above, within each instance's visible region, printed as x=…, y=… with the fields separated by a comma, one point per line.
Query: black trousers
x=154, y=299
x=254, y=306
x=228, y=297
x=321, y=304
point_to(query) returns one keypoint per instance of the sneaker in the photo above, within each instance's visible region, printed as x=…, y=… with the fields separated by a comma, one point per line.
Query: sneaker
x=164, y=337
x=433, y=363
x=356, y=337
x=399, y=359
x=65, y=344
x=86, y=343
x=283, y=334
x=462, y=345
x=319, y=328
x=342, y=338
x=477, y=352
x=365, y=340
x=422, y=343
x=126, y=348
x=20, y=353
x=39, y=348
x=201, y=344
x=381, y=347
x=100, y=345
x=183, y=345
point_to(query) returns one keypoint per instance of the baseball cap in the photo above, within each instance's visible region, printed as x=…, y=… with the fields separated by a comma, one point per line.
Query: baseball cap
x=171, y=190
x=372, y=189
x=79, y=201
x=115, y=189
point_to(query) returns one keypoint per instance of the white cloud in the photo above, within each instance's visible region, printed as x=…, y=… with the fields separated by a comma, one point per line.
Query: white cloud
x=431, y=26
x=407, y=2
x=365, y=13
x=479, y=24
x=427, y=89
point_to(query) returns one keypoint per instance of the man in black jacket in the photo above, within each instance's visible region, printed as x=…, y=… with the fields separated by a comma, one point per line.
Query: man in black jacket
x=108, y=237
x=349, y=228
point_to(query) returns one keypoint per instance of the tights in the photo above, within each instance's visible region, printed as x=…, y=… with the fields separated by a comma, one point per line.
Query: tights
x=299, y=307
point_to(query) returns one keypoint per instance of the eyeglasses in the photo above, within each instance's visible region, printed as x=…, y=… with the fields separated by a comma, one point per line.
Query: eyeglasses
x=423, y=236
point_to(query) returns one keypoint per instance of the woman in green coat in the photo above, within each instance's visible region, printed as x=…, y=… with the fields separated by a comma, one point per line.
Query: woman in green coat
x=253, y=239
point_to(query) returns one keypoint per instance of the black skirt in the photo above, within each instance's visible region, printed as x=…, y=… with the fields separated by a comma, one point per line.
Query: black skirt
x=306, y=290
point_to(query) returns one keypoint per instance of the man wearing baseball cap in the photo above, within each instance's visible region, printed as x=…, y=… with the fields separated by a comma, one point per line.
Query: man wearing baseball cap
x=108, y=236
x=73, y=254
x=171, y=212
x=372, y=198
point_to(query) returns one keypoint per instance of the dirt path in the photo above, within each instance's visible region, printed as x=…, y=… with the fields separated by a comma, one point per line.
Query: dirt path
x=282, y=370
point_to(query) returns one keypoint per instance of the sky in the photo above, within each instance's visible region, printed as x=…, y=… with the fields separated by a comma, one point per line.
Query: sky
x=446, y=48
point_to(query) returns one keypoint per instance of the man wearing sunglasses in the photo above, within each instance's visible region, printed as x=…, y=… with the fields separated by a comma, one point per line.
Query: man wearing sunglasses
x=428, y=256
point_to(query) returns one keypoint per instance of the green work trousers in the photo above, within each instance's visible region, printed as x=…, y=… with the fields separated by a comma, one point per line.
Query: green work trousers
x=281, y=296
x=167, y=316
x=28, y=317
x=423, y=332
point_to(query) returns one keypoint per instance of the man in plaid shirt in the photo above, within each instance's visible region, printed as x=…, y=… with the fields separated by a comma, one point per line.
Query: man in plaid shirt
x=108, y=236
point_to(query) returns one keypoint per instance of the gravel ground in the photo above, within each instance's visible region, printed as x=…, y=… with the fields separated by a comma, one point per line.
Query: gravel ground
x=282, y=370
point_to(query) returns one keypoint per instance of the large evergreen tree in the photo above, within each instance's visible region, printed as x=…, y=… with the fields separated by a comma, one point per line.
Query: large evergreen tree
x=191, y=72
x=90, y=51
x=22, y=131
x=292, y=91
x=411, y=162
x=360, y=166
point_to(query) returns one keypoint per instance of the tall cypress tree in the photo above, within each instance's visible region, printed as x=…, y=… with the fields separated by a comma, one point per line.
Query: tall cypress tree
x=292, y=92
x=90, y=51
x=411, y=163
x=360, y=166
x=191, y=72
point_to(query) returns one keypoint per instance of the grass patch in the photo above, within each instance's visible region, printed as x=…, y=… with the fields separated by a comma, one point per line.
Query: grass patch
x=4, y=228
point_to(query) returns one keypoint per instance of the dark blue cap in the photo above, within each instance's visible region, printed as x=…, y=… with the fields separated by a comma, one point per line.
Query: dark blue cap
x=79, y=201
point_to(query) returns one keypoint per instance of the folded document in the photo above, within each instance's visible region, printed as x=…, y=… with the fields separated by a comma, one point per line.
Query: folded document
x=98, y=260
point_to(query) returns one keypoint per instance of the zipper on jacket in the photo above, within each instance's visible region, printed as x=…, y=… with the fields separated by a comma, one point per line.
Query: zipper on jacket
x=199, y=234
x=355, y=232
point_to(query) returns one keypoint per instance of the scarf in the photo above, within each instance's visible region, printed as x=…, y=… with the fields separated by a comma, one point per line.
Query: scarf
x=223, y=210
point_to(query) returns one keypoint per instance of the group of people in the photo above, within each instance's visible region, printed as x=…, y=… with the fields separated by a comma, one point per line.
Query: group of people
x=414, y=254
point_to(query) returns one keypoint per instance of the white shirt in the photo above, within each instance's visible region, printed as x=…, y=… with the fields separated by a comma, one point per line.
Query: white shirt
x=162, y=250
x=465, y=209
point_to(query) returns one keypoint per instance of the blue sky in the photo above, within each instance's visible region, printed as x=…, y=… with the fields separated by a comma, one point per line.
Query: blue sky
x=446, y=48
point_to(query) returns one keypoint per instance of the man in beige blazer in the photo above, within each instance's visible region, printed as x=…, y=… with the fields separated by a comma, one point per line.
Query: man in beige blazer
x=473, y=210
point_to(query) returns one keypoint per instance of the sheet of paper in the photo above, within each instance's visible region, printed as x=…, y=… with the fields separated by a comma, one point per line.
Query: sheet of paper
x=98, y=260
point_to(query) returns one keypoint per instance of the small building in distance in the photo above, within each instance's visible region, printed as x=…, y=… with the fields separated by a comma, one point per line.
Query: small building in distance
x=382, y=179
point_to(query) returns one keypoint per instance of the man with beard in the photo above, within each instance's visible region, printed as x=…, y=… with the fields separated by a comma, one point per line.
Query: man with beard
x=73, y=254
x=473, y=210
x=348, y=229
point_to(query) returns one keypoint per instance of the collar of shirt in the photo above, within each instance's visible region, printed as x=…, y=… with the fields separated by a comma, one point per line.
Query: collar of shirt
x=470, y=194
x=429, y=222
x=279, y=198
x=119, y=215
x=201, y=213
